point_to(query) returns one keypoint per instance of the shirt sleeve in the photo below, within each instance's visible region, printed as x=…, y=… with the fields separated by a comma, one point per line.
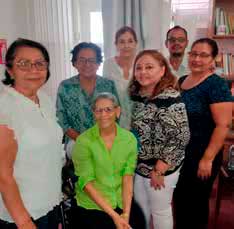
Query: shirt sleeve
x=4, y=120
x=7, y=121
x=61, y=111
x=114, y=91
x=219, y=91
x=174, y=122
x=105, y=69
x=82, y=160
x=130, y=165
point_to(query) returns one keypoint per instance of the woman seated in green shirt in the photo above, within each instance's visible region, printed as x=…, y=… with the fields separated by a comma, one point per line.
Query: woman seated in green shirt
x=104, y=158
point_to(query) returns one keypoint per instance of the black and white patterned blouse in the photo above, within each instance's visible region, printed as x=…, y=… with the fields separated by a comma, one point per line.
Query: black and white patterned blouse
x=161, y=127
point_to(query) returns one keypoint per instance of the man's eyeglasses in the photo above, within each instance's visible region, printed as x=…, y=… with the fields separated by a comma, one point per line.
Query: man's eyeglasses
x=179, y=39
x=202, y=55
x=26, y=65
x=82, y=60
x=107, y=110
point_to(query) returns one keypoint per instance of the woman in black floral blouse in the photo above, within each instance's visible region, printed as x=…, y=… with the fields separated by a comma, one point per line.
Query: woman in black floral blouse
x=160, y=124
x=208, y=103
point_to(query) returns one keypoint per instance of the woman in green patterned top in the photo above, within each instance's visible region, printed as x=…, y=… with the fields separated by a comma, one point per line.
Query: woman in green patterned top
x=75, y=95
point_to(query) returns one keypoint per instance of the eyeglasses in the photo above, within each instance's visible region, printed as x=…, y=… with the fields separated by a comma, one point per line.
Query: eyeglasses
x=202, y=55
x=107, y=110
x=179, y=39
x=82, y=60
x=26, y=65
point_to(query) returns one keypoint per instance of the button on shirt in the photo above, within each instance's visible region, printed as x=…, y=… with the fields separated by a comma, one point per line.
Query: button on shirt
x=93, y=162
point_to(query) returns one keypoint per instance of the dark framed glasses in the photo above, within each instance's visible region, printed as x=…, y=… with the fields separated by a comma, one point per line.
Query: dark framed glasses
x=202, y=55
x=179, y=39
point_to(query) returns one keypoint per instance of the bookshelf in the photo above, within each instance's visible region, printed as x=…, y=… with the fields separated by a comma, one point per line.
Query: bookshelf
x=226, y=47
x=225, y=39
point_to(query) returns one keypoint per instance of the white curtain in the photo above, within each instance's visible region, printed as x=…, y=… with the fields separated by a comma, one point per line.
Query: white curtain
x=150, y=19
x=50, y=22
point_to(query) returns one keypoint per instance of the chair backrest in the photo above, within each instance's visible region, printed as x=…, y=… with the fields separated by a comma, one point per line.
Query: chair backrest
x=231, y=157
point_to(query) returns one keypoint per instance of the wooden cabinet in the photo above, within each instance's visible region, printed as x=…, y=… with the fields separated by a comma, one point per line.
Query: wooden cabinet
x=225, y=41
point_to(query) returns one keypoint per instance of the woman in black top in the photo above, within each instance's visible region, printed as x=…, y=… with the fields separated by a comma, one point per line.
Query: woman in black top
x=208, y=104
x=160, y=123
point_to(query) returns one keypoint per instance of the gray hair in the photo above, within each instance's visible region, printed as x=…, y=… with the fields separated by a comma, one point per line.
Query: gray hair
x=105, y=95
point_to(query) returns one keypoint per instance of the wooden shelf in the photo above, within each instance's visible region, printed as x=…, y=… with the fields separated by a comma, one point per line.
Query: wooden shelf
x=225, y=42
x=230, y=36
x=228, y=77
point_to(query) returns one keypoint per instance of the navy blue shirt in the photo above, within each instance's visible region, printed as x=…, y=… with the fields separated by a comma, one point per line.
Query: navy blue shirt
x=197, y=100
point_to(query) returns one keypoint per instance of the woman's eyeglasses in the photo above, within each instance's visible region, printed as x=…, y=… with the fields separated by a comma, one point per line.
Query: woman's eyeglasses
x=27, y=65
x=202, y=55
x=83, y=60
x=107, y=110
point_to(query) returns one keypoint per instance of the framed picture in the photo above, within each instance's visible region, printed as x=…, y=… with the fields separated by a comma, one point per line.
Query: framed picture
x=3, y=48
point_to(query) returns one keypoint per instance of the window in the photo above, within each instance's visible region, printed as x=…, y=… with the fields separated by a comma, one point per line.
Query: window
x=96, y=33
x=90, y=23
x=96, y=28
x=193, y=15
x=189, y=4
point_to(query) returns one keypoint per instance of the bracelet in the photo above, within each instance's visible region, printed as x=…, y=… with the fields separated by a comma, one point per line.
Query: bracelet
x=124, y=215
x=158, y=173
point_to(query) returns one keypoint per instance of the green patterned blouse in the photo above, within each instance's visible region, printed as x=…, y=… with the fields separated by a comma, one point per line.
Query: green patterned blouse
x=74, y=104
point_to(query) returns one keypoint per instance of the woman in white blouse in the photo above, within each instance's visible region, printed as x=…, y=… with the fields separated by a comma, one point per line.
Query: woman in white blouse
x=119, y=69
x=31, y=152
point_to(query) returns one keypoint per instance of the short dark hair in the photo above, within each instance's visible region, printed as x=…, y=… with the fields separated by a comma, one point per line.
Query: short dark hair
x=177, y=27
x=212, y=43
x=86, y=45
x=123, y=30
x=10, y=56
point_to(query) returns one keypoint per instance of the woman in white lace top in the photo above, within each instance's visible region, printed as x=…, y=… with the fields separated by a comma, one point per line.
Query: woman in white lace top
x=119, y=69
x=31, y=154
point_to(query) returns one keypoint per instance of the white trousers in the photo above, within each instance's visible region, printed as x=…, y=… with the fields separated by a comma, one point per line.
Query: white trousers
x=156, y=203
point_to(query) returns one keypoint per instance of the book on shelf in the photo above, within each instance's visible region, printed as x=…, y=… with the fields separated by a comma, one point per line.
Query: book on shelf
x=224, y=22
x=225, y=64
x=231, y=22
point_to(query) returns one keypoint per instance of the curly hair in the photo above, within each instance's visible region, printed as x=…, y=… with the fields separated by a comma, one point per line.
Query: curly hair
x=167, y=80
x=86, y=45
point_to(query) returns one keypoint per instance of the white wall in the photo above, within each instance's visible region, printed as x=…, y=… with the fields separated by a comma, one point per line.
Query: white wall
x=13, y=22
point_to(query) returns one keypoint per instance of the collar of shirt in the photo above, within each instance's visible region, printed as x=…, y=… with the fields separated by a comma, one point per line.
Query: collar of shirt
x=183, y=68
x=118, y=137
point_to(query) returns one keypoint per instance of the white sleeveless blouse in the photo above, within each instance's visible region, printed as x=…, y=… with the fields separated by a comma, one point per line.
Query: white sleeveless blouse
x=38, y=164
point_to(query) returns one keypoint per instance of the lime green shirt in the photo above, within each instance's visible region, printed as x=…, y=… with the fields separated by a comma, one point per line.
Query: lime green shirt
x=93, y=162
